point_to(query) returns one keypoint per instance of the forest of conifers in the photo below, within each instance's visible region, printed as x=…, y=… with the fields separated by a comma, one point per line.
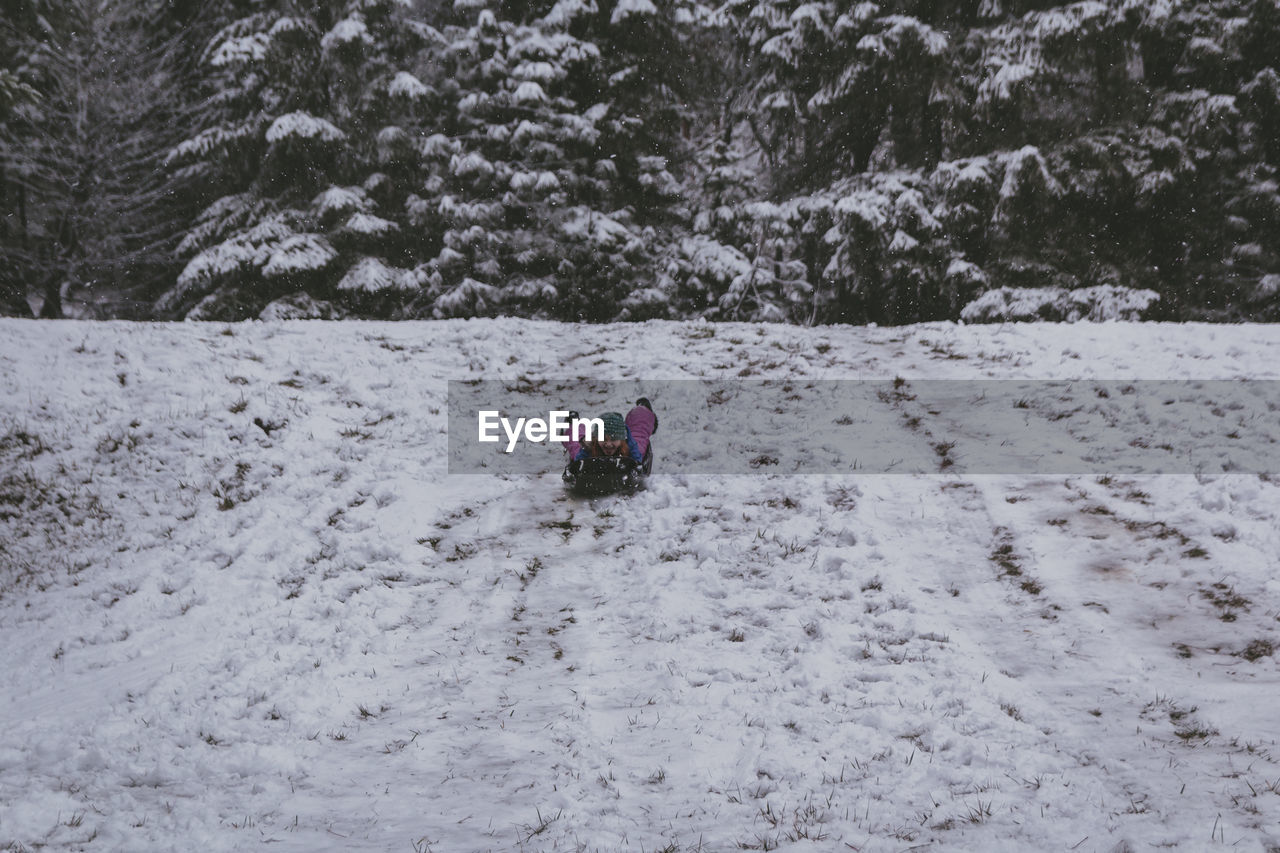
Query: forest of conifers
x=807, y=161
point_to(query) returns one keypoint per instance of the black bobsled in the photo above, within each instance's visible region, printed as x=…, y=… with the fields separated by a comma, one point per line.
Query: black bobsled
x=603, y=475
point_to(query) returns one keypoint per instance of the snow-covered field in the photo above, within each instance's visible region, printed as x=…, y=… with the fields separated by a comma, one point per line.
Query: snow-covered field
x=242, y=604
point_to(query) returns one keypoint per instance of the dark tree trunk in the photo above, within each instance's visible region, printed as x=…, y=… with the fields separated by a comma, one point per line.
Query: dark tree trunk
x=52, y=307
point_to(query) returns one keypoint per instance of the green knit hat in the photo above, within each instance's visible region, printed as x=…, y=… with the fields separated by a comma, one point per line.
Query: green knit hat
x=614, y=425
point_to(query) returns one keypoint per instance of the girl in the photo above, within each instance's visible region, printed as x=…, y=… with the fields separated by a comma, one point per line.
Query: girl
x=623, y=437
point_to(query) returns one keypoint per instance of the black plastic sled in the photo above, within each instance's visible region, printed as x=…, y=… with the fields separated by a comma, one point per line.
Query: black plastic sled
x=604, y=476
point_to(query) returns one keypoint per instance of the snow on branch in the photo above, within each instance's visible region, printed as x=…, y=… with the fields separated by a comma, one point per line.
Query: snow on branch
x=903, y=30
x=371, y=275
x=207, y=141
x=1097, y=304
x=299, y=253
x=565, y=12
x=785, y=47
x=529, y=92
x=1025, y=172
x=288, y=25
x=300, y=306
x=868, y=207
x=468, y=295
x=909, y=208
x=592, y=226
x=466, y=213
x=251, y=48
x=630, y=8
x=963, y=180
x=303, y=126
x=272, y=229
x=228, y=212
x=965, y=274
x=528, y=131
x=1005, y=83
x=405, y=85
x=713, y=260
x=369, y=225
x=558, y=47
x=340, y=200
x=1197, y=113
x=902, y=243
x=539, y=72
x=1068, y=22
x=814, y=15
x=347, y=31
x=437, y=146
x=248, y=248
x=213, y=263
x=473, y=163
x=472, y=101
x=1016, y=52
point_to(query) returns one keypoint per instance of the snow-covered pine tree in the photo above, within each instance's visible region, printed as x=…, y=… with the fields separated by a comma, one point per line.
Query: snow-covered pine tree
x=830, y=82
x=513, y=154
x=1127, y=144
x=542, y=182
x=310, y=160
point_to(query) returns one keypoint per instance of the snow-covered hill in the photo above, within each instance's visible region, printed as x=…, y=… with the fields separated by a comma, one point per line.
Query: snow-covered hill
x=242, y=604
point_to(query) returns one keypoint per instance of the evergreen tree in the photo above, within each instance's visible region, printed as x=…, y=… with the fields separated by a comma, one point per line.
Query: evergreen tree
x=94, y=219
x=309, y=159
x=1088, y=143
x=545, y=184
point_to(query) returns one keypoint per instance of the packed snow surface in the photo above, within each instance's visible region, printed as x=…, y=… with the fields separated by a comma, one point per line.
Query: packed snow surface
x=243, y=606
